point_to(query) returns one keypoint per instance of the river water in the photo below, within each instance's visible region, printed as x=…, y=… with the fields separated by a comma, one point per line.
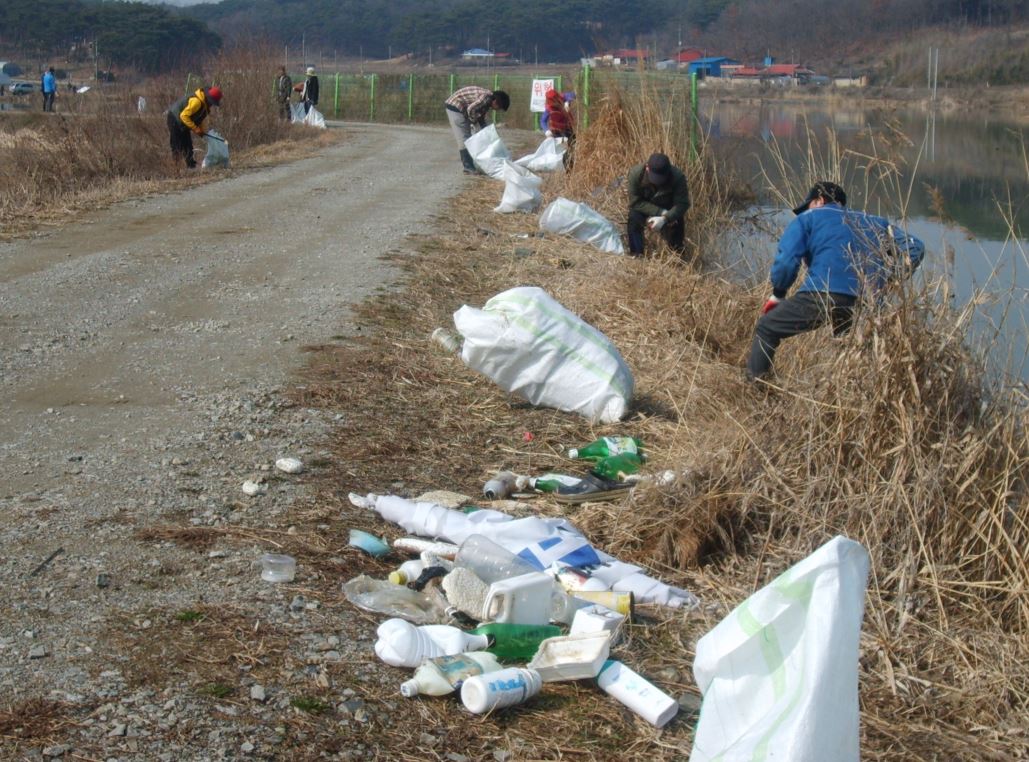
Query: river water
x=961, y=176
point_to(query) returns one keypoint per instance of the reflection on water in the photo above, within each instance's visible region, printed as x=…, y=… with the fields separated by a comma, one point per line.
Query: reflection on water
x=975, y=166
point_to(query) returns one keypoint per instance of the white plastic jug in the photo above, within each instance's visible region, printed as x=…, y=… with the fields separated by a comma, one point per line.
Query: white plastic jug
x=401, y=644
x=525, y=599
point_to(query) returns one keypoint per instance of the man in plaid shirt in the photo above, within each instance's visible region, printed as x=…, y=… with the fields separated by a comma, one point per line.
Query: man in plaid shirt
x=467, y=108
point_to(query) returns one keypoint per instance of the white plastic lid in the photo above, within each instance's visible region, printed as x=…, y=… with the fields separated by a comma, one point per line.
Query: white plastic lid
x=409, y=688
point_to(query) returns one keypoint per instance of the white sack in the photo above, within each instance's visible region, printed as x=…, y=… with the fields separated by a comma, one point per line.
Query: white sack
x=580, y=221
x=543, y=542
x=488, y=151
x=521, y=190
x=314, y=118
x=531, y=346
x=217, y=151
x=779, y=674
x=297, y=113
x=548, y=156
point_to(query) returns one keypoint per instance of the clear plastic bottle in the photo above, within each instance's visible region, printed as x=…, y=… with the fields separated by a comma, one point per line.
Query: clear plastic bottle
x=617, y=467
x=516, y=642
x=444, y=674
x=484, y=693
x=606, y=447
x=489, y=561
x=401, y=644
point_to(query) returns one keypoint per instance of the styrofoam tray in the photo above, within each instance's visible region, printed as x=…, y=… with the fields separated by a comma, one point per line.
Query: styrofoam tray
x=572, y=657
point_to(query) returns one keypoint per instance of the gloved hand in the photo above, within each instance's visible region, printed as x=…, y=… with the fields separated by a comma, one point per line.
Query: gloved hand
x=771, y=304
x=656, y=223
x=549, y=134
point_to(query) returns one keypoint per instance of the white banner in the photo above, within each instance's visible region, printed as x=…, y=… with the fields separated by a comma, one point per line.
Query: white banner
x=537, y=103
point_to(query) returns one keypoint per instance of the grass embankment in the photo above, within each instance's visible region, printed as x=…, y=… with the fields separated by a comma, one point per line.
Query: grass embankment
x=891, y=436
x=97, y=148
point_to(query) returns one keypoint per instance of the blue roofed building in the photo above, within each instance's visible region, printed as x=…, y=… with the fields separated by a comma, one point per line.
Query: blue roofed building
x=710, y=66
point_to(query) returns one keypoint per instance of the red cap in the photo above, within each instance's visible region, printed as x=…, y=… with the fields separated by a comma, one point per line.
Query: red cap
x=215, y=94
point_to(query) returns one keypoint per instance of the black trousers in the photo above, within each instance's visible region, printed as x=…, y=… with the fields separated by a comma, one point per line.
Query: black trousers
x=802, y=312
x=180, y=137
x=673, y=233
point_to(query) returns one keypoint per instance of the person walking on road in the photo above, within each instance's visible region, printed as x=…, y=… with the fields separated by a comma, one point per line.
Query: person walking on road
x=186, y=116
x=309, y=91
x=845, y=252
x=658, y=199
x=283, y=91
x=467, y=109
x=49, y=89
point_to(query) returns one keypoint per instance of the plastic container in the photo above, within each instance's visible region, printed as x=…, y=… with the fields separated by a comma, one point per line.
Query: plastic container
x=516, y=642
x=278, y=568
x=501, y=486
x=575, y=580
x=645, y=699
x=606, y=447
x=514, y=685
x=408, y=572
x=489, y=561
x=525, y=599
x=447, y=340
x=572, y=657
x=369, y=543
x=623, y=603
x=401, y=644
x=444, y=674
x=597, y=619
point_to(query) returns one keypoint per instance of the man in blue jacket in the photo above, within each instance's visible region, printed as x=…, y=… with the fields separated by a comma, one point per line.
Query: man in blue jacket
x=48, y=85
x=845, y=252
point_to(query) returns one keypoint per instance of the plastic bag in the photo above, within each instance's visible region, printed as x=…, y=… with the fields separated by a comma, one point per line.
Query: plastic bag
x=531, y=346
x=383, y=597
x=779, y=674
x=297, y=113
x=548, y=157
x=521, y=190
x=217, y=151
x=314, y=118
x=488, y=151
x=581, y=222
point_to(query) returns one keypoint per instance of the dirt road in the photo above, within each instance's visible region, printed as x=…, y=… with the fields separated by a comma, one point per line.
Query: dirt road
x=142, y=356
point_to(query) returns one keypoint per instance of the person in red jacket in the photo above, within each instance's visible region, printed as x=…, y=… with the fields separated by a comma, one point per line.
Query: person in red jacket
x=560, y=122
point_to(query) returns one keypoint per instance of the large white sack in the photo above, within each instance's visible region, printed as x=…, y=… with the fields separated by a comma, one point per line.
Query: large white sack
x=297, y=113
x=580, y=221
x=217, y=151
x=531, y=346
x=488, y=151
x=779, y=674
x=521, y=190
x=314, y=118
x=547, y=157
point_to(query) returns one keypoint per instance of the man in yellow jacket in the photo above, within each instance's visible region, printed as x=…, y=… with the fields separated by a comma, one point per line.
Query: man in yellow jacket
x=187, y=116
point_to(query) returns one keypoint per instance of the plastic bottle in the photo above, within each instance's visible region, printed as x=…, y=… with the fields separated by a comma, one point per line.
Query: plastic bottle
x=444, y=674
x=549, y=482
x=574, y=580
x=447, y=340
x=408, y=572
x=606, y=447
x=645, y=699
x=502, y=485
x=616, y=467
x=401, y=644
x=484, y=693
x=516, y=642
x=489, y=561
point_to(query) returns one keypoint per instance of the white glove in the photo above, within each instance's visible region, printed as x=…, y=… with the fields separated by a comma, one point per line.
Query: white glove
x=549, y=134
x=656, y=223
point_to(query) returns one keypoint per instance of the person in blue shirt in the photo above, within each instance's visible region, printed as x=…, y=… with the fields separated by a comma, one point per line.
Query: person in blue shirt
x=49, y=88
x=846, y=252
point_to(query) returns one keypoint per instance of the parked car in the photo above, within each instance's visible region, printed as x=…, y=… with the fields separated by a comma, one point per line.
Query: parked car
x=23, y=88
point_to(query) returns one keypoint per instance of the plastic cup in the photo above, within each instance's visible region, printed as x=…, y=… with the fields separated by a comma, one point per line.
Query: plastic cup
x=489, y=561
x=278, y=568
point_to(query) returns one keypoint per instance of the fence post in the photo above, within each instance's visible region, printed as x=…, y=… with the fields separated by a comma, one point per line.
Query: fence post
x=585, y=96
x=335, y=98
x=451, y=84
x=188, y=78
x=693, y=116
x=371, y=94
x=410, y=97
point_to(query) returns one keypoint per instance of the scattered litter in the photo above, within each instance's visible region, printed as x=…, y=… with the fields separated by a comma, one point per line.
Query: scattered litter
x=645, y=699
x=407, y=572
x=583, y=223
x=572, y=657
x=530, y=345
x=252, y=488
x=500, y=486
x=466, y=592
x=417, y=545
x=597, y=618
x=445, y=674
x=278, y=568
x=402, y=644
x=779, y=674
x=508, y=687
x=447, y=340
x=289, y=465
x=605, y=447
x=383, y=597
x=369, y=543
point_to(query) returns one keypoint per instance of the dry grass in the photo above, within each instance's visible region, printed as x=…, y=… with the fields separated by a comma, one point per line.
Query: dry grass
x=893, y=436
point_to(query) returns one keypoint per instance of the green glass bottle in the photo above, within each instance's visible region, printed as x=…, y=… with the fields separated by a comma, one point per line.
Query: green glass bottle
x=552, y=482
x=606, y=447
x=516, y=642
x=617, y=467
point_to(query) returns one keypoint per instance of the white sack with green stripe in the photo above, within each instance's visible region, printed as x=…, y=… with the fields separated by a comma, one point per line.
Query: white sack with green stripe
x=582, y=222
x=779, y=675
x=533, y=347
